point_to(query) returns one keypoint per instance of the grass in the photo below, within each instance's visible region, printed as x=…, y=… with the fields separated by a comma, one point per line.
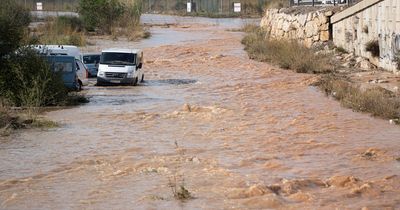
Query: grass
x=286, y=54
x=377, y=101
x=65, y=30
x=19, y=119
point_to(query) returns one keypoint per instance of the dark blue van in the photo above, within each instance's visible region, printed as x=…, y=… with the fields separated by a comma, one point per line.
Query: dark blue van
x=67, y=66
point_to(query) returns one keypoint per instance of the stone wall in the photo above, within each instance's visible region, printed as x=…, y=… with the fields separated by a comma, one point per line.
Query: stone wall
x=367, y=21
x=306, y=27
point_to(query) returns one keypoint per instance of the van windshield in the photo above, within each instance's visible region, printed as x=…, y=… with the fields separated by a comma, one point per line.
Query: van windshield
x=118, y=58
x=91, y=59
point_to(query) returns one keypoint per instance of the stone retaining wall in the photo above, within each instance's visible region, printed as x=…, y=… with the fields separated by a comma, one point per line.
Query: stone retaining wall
x=307, y=28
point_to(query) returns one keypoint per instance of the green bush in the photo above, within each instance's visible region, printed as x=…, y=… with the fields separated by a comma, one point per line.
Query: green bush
x=14, y=21
x=101, y=14
x=25, y=77
x=29, y=81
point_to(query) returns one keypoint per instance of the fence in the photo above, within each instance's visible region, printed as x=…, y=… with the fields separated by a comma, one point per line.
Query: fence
x=204, y=6
x=154, y=6
x=322, y=2
x=51, y=5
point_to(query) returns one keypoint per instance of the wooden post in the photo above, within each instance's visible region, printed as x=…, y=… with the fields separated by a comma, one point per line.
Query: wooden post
x=313, y=2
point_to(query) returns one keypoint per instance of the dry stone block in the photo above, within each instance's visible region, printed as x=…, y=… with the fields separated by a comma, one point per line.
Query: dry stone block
x=324, y=36
x=311, y=29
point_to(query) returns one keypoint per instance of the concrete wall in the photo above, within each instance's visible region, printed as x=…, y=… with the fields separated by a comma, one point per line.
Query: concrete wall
x=366, y=21
x=307, y=28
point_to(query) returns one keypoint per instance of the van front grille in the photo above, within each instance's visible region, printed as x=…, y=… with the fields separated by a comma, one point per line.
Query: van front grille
x=115, y=75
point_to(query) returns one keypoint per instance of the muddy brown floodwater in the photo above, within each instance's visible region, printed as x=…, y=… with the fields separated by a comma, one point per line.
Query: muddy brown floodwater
x=241, y=135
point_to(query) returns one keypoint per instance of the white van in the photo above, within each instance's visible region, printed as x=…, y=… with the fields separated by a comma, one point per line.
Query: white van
x=69, y=50
x=120, y=66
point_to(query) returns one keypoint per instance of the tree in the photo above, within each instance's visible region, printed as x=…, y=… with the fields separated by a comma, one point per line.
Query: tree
x=14, y=20
x=100, y=14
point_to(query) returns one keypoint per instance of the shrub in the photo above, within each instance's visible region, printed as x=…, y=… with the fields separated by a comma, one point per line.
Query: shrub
x=373, y=47
x=14, y=21
x=101, y=14
x=65, y=30
x=287, y=54
x=29, y=82
x=377, y=101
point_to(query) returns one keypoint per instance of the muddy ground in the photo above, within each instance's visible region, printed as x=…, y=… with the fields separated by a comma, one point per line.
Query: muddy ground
x=238, y=134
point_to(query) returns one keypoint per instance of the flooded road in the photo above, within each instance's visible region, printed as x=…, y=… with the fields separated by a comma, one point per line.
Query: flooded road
x=238, y=134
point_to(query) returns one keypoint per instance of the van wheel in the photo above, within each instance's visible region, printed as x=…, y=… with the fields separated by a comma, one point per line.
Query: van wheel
x=135, y=81
x=142, y=80
x=79, y=86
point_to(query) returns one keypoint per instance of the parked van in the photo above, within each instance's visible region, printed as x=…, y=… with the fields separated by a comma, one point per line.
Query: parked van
x=92, y=60
x=66, y=66
x=81, y=70
x=59, y=50
x=120, y=66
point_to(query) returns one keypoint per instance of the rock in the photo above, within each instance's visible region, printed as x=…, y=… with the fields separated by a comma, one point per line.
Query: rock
x=286, y=26
x=360, y=59
x=346, y=65
x=348, y=57
x=311, y=29
x=302, y=19
x=365, y=65
x=316, y=38
x=324, y=27
x=324, y=36
x=377, y=81
x=328, y=13
x=322, y=20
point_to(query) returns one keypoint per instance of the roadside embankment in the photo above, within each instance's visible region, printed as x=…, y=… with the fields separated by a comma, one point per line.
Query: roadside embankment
x=334, y=79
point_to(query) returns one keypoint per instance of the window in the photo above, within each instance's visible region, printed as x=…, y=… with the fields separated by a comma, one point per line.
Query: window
x=62, y=67
x=89, y=59
x=118, y=58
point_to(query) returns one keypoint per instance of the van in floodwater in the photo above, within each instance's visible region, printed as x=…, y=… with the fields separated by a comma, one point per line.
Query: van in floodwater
x=66, y=66
x=120, y=66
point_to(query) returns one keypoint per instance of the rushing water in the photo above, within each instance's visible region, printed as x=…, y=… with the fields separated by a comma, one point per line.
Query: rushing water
x=239, y=133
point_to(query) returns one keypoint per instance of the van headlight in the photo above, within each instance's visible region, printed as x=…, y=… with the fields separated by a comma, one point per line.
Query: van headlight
x=129, y=75
x=101, y=74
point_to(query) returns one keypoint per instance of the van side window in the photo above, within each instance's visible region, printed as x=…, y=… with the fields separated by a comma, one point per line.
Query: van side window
x=62, y=67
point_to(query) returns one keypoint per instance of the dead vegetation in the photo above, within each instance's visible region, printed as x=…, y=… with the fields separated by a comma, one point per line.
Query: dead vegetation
x=177, y=181
x=20, y=119
x=65, y=30
x=377, y=101
x=286, y=54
